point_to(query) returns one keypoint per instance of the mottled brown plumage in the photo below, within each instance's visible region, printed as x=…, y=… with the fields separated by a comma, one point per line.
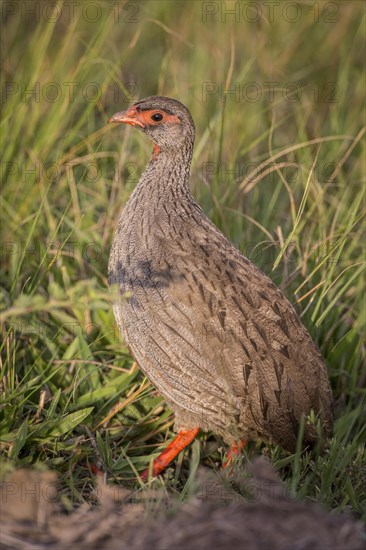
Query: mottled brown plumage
x=212, y=332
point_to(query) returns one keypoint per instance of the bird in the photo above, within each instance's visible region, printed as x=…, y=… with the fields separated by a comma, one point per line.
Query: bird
x=212, y=332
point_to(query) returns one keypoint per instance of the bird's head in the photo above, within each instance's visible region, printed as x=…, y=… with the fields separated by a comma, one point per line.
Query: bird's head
x=167, y=122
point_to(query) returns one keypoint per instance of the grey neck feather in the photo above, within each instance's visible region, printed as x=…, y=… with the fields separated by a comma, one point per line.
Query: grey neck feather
x=168, y=173
x=165, y=180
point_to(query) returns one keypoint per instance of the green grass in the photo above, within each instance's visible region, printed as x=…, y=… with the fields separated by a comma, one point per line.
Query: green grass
x=66, y=175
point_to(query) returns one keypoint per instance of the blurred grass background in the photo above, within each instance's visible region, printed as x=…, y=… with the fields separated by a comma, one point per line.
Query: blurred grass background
x=277, y=94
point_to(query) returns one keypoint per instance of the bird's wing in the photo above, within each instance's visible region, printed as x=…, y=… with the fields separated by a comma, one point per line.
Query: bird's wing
x=239, y=342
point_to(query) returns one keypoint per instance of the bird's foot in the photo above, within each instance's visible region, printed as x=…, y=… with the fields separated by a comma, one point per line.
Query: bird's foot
x=235, y=450
x=180, y=442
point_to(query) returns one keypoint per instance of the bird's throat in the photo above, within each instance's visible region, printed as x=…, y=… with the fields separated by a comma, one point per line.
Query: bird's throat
x=166, y=175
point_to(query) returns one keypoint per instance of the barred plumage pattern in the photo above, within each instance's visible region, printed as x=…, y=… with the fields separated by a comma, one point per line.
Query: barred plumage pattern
x=213, y=333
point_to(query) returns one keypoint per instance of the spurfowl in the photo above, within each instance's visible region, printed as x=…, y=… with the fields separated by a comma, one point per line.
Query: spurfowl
x=212, y=332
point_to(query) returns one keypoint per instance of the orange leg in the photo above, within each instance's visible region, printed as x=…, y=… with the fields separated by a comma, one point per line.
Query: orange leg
x=180, y=442
x=235, y=450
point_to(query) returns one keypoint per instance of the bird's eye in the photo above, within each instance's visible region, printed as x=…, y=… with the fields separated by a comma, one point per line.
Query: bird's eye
x=157, y=117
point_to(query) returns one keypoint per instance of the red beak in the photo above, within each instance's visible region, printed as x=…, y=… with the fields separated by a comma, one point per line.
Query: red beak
x=127, y=117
